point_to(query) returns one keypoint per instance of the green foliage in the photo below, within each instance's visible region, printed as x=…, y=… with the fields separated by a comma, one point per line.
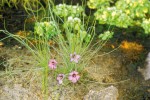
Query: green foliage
x=46, y=29
x=106, y=35
x=123, y=13
x=146, y=25
x=113, y=16
x=134, y=8
x=74, y=27
x=10, y=3
x=63, y=10
x=93, y=4
x=72, y=24
x=28, y=5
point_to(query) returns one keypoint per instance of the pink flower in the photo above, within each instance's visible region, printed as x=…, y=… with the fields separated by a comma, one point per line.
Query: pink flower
x=74, y=77
x=60, y=78
x=52, y=64
x=74, y=57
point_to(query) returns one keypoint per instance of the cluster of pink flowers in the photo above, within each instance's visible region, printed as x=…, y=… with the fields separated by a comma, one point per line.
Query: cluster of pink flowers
x=73, y=76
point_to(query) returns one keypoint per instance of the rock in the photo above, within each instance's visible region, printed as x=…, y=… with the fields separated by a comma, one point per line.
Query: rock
x=146, y=71
x=17, y=92
x=109, y=93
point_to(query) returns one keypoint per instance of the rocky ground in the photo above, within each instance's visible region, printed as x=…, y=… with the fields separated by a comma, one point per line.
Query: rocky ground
x=20, y=77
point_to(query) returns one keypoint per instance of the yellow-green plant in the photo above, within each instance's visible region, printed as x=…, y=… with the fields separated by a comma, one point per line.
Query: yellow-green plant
x=63, y=10
x=45, y=29
x=122, y=13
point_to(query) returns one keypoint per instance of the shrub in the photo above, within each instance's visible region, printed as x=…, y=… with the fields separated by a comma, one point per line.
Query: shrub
x=122, y=13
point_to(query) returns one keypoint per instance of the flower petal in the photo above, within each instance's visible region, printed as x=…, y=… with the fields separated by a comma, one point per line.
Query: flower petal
x=74, y=80
x=60, y=82
x=74, y=72
x=70, y=78
x=77, y=77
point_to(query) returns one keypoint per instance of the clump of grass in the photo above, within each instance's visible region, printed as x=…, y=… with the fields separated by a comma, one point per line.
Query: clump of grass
x=75, y=41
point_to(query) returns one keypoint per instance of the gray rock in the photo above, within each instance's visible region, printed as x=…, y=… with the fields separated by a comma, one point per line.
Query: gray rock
x=109, y=93
x=146, y=71
x=17, y=92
